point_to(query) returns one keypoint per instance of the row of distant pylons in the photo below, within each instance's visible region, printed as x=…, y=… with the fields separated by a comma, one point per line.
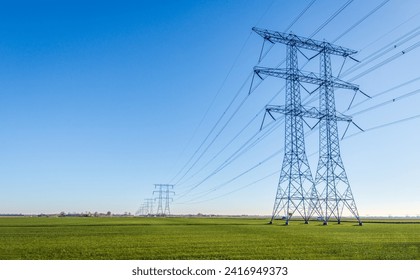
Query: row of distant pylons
x=327, y=196
x=164, y=197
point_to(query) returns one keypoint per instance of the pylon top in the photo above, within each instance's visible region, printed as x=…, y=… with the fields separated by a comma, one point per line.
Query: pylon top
x=302, y=42
x=164, y=185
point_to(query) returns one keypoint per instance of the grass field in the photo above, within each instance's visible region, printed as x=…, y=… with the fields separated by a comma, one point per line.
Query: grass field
x=204, y=238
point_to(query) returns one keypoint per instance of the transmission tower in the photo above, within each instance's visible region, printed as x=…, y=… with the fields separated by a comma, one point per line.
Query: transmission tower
x=163, y=193
x=296, y=189
x=159, y=210
x=331, y=175
x=142, y=211
x=168, y=198
x=295, y=177
x=149, y=206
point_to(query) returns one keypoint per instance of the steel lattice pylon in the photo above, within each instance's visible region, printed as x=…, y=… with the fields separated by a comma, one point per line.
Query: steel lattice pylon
x=159, y=210
x=168, y=198
x=331, y=176
x=149, y=206
x=295, y=177
x=297, y=191
x=163, y=193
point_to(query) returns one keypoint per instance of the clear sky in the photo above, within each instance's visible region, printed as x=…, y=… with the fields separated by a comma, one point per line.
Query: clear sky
x=100, y=100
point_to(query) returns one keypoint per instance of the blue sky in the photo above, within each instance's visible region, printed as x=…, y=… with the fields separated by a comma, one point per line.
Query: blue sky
x=102, y=99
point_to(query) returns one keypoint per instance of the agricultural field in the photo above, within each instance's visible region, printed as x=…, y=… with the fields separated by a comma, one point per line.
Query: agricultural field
x=204, y=238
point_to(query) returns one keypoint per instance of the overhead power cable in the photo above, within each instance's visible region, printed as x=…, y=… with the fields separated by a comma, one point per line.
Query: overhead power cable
x=244, y=148
x=360, y=21
x=210, y=133
x=225, y=146
x=384, y=125
x=212, y=102
x=235, y=190
x=384, y=50
x=384, y=92
x=237, y=136
x=248, y=170
x=217, y=94
x=386, y=61
x=393, y=100
x=389, y=32
x=336, y=13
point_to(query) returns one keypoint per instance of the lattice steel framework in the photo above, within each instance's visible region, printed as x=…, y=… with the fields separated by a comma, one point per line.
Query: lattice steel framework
x=149, y=206
x=297, y=191
x=163, y=191
x=142, y=211
x=296, y=187
x=168, y=198
x=159, y=210
x=331, y=176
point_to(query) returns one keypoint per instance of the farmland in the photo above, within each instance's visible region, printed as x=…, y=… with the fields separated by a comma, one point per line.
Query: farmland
x=204, y=238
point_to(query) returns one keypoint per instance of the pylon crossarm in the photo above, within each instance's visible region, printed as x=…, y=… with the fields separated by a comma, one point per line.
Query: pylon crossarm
x=306, y=112
x=302, y=42
x=306, y=77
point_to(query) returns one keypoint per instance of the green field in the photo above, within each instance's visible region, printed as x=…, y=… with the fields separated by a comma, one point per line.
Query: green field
x=204, y=238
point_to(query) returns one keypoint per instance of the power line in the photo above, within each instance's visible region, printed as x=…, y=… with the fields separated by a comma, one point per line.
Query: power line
x=217, y=94
x=243, y=172
x=384, y=125
x=386, y=61
x=393, y=100
x=389, y=32
x=299, y=16
x=384, y=50
x=248, y=170
x=336, y=13
x=213, y=101
x=236, y=137
x=228, y=161
x=360, y=20
x=265, y=12
x=218, y=134
x=384, y=92
x=235, y=190
x=225, y=146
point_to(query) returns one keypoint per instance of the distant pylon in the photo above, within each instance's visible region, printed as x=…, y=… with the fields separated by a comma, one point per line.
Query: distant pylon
x=142, y=211
x=163, y=192
x=149, y=206
x=331, y=176
x=168, y=198
x=159, y=210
